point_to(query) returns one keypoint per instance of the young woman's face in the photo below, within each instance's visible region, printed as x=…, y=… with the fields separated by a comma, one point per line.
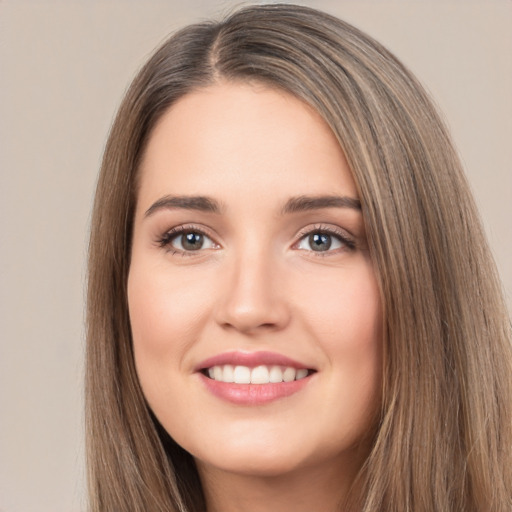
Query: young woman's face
x=254, y=307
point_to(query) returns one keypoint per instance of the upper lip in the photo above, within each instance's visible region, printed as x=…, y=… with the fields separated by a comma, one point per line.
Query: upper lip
x=250, y=359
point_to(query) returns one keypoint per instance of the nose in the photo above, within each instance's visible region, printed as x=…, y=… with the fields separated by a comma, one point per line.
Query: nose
x=254, y=297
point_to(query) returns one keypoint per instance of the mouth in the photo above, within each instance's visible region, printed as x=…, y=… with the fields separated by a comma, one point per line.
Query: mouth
x=253, y=378
x=262, y=374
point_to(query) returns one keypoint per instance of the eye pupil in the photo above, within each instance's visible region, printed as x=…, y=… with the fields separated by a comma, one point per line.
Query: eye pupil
x=192, y=241
x=320, y=241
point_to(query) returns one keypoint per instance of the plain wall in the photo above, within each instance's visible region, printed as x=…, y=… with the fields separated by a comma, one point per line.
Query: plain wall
x=63, y=69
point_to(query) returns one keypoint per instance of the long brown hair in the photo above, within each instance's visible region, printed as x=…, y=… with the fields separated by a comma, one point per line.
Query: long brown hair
x=444, y=437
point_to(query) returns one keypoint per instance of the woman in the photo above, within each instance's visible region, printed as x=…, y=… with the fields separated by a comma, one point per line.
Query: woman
x=291, y=302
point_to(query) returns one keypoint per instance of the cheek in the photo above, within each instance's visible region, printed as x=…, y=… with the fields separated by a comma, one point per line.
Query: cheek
x=346, y=319
x=356, y=328
x=164, y=312
x=345, y=311
x=165, y=318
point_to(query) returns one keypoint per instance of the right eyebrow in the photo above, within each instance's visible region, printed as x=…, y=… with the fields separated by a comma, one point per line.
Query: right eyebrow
x=198, y=203
x=305, y=203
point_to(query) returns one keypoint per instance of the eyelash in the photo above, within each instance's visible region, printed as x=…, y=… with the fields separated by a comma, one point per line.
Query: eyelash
x=348, y=243
x=165, y=241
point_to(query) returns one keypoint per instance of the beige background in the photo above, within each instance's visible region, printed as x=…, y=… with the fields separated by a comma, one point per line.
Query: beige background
x=63, y=68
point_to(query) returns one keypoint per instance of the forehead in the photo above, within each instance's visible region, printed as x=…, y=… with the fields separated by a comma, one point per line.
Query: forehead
x=245, y=137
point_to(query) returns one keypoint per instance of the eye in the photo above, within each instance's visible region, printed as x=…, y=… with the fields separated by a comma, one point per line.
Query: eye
x=322, y=240
x=187, y=240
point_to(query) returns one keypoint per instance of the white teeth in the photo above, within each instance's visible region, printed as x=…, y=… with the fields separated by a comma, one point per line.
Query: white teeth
x=217, y=372
x=289, y=374
x=301, y=374
x=258, y=375
x=276, y=374
x=242, y=375
x=228, y=373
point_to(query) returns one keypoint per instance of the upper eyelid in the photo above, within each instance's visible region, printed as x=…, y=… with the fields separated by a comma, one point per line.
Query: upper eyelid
x=170, y=233
x=189, y=227
x=343, y=235
x=326, y=228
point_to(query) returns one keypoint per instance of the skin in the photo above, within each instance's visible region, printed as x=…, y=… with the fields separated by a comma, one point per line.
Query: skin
x=256, y=284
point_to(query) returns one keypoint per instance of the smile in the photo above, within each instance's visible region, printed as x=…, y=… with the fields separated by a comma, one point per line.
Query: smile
x=259, y=375
x=253, y=378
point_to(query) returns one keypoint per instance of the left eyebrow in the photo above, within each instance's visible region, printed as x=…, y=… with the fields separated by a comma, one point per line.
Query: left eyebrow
x=305, y=203
x=199, y=203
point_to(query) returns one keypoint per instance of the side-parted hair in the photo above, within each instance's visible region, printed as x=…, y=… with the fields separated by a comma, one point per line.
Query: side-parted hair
x=443, y=440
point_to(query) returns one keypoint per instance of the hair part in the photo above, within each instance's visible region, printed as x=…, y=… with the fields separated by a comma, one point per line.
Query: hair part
x=444, y=435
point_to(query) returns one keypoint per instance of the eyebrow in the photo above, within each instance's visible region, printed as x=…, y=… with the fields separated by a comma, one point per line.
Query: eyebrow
x=198, y=203
x=305, y=203
x=293, y=205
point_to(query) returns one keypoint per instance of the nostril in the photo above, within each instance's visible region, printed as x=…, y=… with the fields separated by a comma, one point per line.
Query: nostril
x=267, y=326
x=249, y=327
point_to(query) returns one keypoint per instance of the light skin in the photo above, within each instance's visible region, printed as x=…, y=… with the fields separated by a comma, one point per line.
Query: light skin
x=248, y=237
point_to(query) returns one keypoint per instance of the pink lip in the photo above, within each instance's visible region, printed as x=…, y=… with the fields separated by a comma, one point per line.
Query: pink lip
x=250, y=359
x=251, y=394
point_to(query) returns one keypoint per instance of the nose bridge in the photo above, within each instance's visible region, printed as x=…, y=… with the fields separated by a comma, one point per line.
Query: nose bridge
x=253, y=298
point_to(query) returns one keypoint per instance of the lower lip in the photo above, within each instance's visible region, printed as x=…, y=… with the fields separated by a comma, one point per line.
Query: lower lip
x=253, y=394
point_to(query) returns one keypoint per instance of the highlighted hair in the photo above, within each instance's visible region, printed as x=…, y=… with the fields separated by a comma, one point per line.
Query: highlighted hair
x=443, y=440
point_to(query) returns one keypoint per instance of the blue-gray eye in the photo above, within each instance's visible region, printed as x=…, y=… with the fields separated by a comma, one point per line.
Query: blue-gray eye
x=191, y=241
x=320, y=242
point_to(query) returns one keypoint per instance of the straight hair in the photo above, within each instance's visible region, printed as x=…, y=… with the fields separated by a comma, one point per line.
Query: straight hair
x=443, y=438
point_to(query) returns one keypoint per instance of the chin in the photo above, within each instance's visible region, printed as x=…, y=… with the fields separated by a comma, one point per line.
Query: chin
x=272, y=456
x=268, y=465
x=263, y=455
